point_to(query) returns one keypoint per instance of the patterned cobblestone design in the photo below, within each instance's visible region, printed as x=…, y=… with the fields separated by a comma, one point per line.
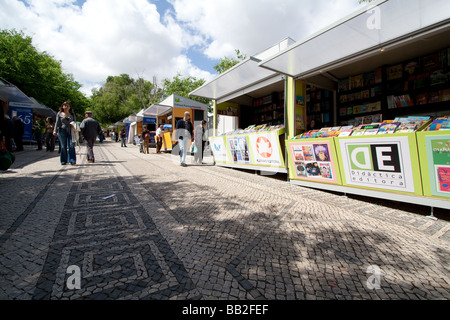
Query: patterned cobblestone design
x=142, y=227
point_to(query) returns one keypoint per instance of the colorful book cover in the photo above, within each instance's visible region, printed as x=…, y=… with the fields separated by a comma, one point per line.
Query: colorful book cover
x=371, y=132
x=437, y=123
x=406, y=127
x=388, y=128
x=346, y=133
x=358, y=132
x=445, y=125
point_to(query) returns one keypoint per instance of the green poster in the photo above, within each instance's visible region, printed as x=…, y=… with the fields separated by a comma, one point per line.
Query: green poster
x=439, y=166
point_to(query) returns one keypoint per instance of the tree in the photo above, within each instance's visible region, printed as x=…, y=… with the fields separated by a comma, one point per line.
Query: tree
x=227, y=62
x=37, y=74
x=121, y=96
x=183, y=86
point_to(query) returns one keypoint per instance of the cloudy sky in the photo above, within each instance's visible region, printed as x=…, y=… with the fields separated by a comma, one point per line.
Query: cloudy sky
x=95, y=39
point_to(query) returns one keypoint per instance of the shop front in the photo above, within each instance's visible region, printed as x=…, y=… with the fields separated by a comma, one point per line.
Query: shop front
x=387, y=73
x=169, y=111
x=366, y=104
x=249, y=115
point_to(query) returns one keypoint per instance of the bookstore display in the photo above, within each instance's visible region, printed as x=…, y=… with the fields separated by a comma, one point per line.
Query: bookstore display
x=319, y=105
x=259, y=146
x=407, y=124
x=267, y=110
x=396, y=90
x=407, y=155
x=434, y=153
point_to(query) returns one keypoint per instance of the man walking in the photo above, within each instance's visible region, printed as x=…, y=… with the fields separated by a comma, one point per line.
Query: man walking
x=90, y=128
x=184, y=130
x=123, y=138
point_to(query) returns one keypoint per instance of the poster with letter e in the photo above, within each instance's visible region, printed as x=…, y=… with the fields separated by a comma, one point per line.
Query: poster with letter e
x=384, y=163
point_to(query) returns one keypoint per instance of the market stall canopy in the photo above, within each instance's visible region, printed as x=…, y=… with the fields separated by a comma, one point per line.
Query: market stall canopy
x=174, y=101
x=157, y=110
x=41, y=109
x=140, y=114
x=245, y=77
x=10, y=93
x=132, y=118
x=380, y=33
x=177, y=101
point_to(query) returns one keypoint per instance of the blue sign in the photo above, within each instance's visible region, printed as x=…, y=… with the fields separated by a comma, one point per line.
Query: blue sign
x=150, y=120
x=26, y=116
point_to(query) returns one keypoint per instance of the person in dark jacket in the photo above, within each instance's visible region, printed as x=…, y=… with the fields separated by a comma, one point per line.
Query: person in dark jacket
x=123, y=138
x=90, y=129
x=184, y=129
x=19, y=130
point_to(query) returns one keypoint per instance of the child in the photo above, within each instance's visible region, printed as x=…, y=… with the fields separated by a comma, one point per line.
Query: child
x=141, y=149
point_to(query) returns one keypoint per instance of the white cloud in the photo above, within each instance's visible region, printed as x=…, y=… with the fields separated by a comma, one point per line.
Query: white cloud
x=110, y=37
x=255, y=25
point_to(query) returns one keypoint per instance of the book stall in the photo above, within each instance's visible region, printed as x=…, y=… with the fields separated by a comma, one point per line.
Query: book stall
x=256, y=148
x=370, y=118
x=405, y=159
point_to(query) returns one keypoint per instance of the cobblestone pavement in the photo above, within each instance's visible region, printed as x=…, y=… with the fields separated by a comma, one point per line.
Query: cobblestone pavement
x=140, y=226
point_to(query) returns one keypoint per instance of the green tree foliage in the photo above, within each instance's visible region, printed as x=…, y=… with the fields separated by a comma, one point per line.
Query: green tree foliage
x=227, y=62
x=121, y=96
x=36, y=73
x=183, y=86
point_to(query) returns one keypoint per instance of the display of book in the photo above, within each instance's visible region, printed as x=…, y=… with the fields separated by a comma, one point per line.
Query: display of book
x=408, y=124
x=438, y=124
x=388, y=127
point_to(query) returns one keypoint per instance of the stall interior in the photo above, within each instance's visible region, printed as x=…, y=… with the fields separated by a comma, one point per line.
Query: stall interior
x=267, y=110
x=319, y=107
x=419, y=86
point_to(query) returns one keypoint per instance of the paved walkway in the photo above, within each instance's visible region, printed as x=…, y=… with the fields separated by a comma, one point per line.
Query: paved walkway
x=136, y=226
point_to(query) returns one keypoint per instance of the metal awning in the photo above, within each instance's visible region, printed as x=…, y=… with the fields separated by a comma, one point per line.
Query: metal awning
x=242, y=77
x=178, y=101
x=157, y=110
x=369, y=33
x=10, y=93
x=173, y=101
x=41, y=109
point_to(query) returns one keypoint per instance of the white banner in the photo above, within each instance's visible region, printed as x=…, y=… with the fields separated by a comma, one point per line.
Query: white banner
x=265, y=148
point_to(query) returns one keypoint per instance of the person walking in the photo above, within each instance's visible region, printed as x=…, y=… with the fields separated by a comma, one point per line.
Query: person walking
x=39, y=130
x=62, y=129
x=199, y=140
x=49, y=137
x=90, y=129
x=146, y=140
x=159, y=138
x=184, y=130
x=19, y=130
x=123, y=138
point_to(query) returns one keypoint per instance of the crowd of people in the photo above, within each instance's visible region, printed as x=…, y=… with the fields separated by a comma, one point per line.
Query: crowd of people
x=66, y=132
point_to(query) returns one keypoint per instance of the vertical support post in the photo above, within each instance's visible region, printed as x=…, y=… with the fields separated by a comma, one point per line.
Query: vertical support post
x=214, y=118
x=431, y=216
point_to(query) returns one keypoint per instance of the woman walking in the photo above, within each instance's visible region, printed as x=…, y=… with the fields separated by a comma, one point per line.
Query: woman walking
x=63, y=130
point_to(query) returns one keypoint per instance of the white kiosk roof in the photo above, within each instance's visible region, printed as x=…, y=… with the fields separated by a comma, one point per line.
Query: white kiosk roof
x=174, y=101
x=244, y=77
x=386, y=31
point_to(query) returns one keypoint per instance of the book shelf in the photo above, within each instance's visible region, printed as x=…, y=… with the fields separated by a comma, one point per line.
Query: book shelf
x=319, y=106
x=266, y=110
x=416, y=86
